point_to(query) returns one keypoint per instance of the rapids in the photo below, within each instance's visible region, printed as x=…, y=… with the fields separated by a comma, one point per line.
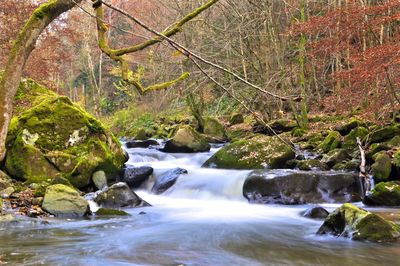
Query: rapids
x=202, y=220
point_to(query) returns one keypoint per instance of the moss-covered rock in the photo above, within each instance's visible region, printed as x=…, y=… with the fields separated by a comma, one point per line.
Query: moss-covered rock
x=256, y=153
x=275, y=127
x=110, y=212
x=312, y=164
x=186, y=140
x=384, y=133
x=345, y=128
x=332, y=141
x=298, y=132
x=236, y=118
x=57, y=137
x=119, y=195
x=382, y=166
x=384, y=194
x=352, y=165
x=350, y=140
x=64, y=201
x=359, y=224
x=335, y=156
x=214, y=129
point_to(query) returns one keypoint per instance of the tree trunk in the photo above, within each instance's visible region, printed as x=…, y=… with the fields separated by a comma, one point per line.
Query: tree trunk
x=19, y=54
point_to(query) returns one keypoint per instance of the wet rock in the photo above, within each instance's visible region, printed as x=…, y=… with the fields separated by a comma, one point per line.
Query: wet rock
x=135, y=176
x=141, y=143
x=359, y=224
x=100, y=180
x=57, y=137
x=64, y=201
x=167, y=180
x=316, y=213
x=384, y=194
x=119, y=195
x=256, y=153
x=110, y=212
x=236, y=118
x=186, y=140
x=295, y=187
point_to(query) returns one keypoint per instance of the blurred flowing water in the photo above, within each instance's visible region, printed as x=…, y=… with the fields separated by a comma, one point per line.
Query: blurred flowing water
x=202, y=220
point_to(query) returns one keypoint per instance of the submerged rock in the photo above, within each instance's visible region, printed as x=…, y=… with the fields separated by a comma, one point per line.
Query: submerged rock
x=110, y=212
x=294, y=187
x=256, y=153
x=135, y=176
x=57, y=137
x=119, y=195
x=359, y=224
x=384, y=194
x=64, y=201
x=316, y=213
x=186, y=140
x=167, y=180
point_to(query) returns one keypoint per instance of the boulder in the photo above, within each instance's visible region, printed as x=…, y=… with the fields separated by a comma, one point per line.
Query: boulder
x=275, y=127
x=347, y=127
x=236, y=118
x=312, y=164
x=100, y=179
x=5, y=180
x=332, y=141
x=119, y=195
x=297, y=187
x=335, y=156
x=214, y=129
x=384, y=194
x=57, y=137
x=350, y=140
x=383, y=133
x=186, y=140
x=316, y=213
x=256, y=153
x=135, y=176
x=167, y=180
x=64, y=201
x=359, y=224
x=382, y=167
x=141, y=143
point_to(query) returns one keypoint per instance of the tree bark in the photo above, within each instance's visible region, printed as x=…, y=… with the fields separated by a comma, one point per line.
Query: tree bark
x=22, y=48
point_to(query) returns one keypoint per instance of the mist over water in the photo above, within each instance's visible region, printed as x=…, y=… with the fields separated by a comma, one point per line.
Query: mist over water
x=202, y=220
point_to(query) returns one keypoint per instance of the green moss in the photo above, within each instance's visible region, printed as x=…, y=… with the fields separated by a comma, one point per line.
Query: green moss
x=256, y=153
x=383, y=133
x=312, y=164
x=298, y=132
x=214, y=128
x=374, y=228
x=111, y=212
x=331, y=142
x=350, y=140
x=382, y=166
x=384, y=194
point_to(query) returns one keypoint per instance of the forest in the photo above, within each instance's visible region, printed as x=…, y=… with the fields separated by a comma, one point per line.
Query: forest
x=199, y=132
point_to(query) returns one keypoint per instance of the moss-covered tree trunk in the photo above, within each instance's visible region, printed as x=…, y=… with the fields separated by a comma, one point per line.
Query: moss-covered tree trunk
x=22, y=48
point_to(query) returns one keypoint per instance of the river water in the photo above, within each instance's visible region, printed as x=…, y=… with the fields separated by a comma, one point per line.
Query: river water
x=202, y=220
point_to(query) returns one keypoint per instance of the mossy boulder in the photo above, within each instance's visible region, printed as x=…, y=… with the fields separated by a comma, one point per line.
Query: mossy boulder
x=275, y=127
x=335, y=156
x=350, y=140
x=214, y=129
x=345, y=128
x=332, y=141
x=236, y=118
x=359, y=224
x=384, y=133
x=57, y=137
x=256, y=153
x=384, y=194
x=64, y=201
x=382, y=166
x=186, y=140
x=312, y=164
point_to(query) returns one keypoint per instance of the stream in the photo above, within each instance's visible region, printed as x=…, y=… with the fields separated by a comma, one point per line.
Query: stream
x=202, y=220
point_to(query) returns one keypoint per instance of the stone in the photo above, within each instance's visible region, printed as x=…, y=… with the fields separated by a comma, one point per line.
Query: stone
x=136, y=176
x=63, y=201
x=6, y=193
x=214, y=129
x=110, y=212
x=297, y=187
x=100, y=179
x=119, y=195
x=335, y=156
x=256, y=153
x=358, y=224
x=275, y=127
x=186, y=140
x=312, y=164
x=384, y=194
x=236, y=118
x=57, y=137
x=317, y=212
x=383, y=133
x=332, y=141
x=167, y=180
x=348, y=126
x=350, y=140
x=5, y=180
x=141, y=143
x=382, y=167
